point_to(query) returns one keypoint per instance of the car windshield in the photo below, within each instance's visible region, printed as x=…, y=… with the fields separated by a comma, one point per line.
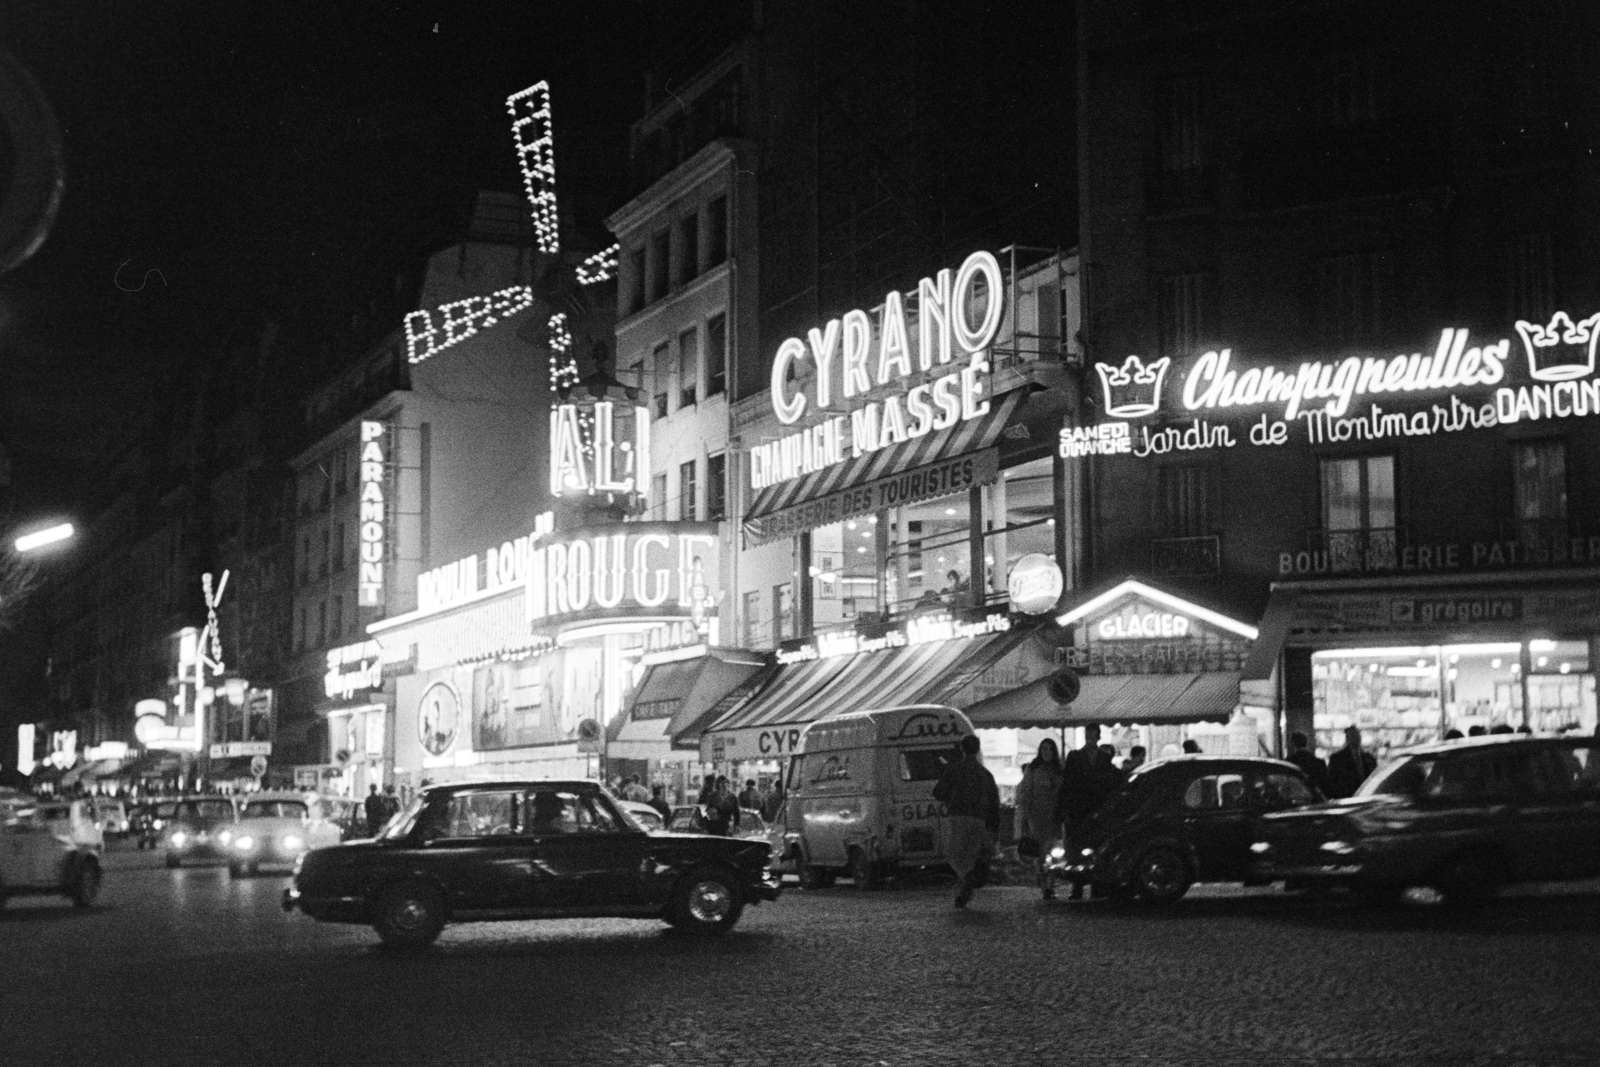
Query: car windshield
x=1401, y=778
x=273, y=809
x=399, y=826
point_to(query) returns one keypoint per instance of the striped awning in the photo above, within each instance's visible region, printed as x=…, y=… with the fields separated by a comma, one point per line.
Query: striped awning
x=846, y=489
x=1113, y=698
x=802, y=693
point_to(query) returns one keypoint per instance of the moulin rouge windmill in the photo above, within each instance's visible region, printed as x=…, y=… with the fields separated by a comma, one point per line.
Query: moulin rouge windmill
x=595, y=450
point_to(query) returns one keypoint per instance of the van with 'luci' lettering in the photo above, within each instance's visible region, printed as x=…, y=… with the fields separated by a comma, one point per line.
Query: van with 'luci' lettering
x=858, y=798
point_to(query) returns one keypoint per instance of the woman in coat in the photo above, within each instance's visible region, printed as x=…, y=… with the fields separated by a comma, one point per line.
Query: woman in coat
x=1036, y=809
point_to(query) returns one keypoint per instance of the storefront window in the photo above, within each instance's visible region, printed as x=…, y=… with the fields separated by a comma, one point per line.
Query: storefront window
x=844, y=571
x=1410, y=695
x=1019, y=520
x=930, y=555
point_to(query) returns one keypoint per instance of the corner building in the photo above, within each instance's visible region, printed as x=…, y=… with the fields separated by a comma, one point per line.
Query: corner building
x=1340, y=306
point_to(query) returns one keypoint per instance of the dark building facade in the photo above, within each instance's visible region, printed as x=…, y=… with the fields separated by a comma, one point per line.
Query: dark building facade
x=1340, y=289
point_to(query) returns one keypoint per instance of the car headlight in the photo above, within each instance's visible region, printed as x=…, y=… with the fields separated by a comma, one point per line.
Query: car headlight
x=1058, y=853
x=1338, y=848
x=1259, y=847
x=1087, y=853
x=225, y=836
x=178, y=838
x=244, y=843
x=293, y=842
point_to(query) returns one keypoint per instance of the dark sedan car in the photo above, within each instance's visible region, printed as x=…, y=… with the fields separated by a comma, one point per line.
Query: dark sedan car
x=1179, y=821
x=1465, y=817
x=471, y=852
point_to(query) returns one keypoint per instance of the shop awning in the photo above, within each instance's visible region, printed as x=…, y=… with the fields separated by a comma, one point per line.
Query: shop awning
x=900, y=474
x=673, y=691
x=1263, y=657
x=89, y=772
x=156, y=764
x=1112, y=698
x=768, y=724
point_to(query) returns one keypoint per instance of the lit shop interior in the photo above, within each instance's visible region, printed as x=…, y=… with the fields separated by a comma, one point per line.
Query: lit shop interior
x=1412, y=694
x=903, y=559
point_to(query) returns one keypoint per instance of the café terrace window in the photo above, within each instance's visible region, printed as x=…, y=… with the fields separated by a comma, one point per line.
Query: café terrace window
x=1019, y=520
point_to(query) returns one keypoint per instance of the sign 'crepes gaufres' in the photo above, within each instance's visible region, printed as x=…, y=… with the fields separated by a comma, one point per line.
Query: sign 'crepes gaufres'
x=850, y=362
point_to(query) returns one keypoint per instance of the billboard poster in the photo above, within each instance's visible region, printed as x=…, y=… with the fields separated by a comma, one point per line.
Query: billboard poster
x=535, y=701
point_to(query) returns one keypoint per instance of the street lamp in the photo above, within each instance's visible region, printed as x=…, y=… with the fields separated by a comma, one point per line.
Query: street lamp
x=48, y=536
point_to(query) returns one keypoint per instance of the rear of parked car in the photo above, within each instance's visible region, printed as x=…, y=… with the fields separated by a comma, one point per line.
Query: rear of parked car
x=1464, y=817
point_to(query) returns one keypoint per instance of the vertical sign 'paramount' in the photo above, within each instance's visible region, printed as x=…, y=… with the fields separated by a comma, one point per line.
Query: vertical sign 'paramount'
x=372, y=515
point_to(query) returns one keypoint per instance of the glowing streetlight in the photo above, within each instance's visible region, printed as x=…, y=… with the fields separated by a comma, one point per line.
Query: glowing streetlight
x=49, y=536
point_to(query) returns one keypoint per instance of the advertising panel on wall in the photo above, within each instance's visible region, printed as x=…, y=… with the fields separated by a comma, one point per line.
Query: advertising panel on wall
x=535, y=701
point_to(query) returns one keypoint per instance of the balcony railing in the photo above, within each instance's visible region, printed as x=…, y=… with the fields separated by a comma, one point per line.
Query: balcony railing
x=1355, y=551
x=1186, y=557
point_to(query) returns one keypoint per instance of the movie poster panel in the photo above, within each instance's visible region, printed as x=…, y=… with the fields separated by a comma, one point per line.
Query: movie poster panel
x=536, y=701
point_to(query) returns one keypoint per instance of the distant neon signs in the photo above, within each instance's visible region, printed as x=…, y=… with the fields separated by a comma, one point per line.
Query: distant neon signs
x=651, y=566
x=600, y=464
x=367, y=659
x=532, y=131
x=373, y=517
x=918, y=630
x=842, y=351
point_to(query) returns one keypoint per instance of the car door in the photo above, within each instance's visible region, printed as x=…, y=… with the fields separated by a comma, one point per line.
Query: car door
x=1582, y=760
x=1550, y=811
x=469, y=843
x=23, y=842
x=584, y=857
x=1217, y=823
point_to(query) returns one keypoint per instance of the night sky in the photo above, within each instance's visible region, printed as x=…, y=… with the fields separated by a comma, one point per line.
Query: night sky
x=230, y=163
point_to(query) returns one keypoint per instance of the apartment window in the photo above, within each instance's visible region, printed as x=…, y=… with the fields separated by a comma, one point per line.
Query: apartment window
x=300, y=629
x=1539, y=482
x=1185, y=503
x=1533, y=278
x=322, y=565
x=338, y=615
x=637, y=370
x=688, y=247
x=338, y=555
x=1181, y=120
x=783, y=626
x=755, y=635
x=660, y=263
x=716, y=355
x=688, y=367
x=659, y=371
x=1358, y=493
x=1353, y=297
x=686, y=491
x=322, y=623
x=658, y=495
x=717, y=487
x=1185, y=312
x=305, y=559
x=636, y=279
x=716, y=232
x=341, y=472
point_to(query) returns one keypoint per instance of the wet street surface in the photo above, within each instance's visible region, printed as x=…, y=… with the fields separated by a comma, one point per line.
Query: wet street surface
x=189, y=967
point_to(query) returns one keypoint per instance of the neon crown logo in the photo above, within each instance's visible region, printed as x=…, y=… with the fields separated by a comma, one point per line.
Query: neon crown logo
x=1134, y=390
x=1562, y=350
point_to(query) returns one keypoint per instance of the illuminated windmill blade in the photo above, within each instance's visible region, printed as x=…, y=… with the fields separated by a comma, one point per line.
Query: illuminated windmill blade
x=563, y=367
x=534, y=136
x=599, y=267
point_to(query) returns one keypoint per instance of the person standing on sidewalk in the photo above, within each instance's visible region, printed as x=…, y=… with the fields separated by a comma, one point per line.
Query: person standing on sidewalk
x=1036, y=810
x=972, y=819
x=1349, y=767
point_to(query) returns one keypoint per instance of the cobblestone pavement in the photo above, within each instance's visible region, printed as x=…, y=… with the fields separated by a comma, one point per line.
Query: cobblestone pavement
x=187, y=967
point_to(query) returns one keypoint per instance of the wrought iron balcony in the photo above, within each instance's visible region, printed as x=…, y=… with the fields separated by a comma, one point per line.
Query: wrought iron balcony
x=1355, y=551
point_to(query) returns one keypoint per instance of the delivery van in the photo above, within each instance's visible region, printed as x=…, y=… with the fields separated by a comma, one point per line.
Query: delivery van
x=858, y=797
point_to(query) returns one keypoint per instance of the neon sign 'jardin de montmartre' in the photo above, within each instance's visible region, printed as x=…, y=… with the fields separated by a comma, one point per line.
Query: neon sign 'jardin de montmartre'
x=1321, y=394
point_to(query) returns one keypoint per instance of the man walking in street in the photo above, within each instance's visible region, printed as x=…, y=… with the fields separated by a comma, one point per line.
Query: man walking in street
x=1088, y=777
x=375, y=811
x=722, y=810
x=658, y=800
x=1349, y=767
x=750, y=798
x=1301, y=756
x=972, y=802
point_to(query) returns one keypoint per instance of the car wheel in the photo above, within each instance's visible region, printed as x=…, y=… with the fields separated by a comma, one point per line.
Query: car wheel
x=706, y=902
x=172, y=859
x=1161, y=875
x=815, y=877
x=1469, y=878
x=409, y=916
x=85, y=884
x=866, y=873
